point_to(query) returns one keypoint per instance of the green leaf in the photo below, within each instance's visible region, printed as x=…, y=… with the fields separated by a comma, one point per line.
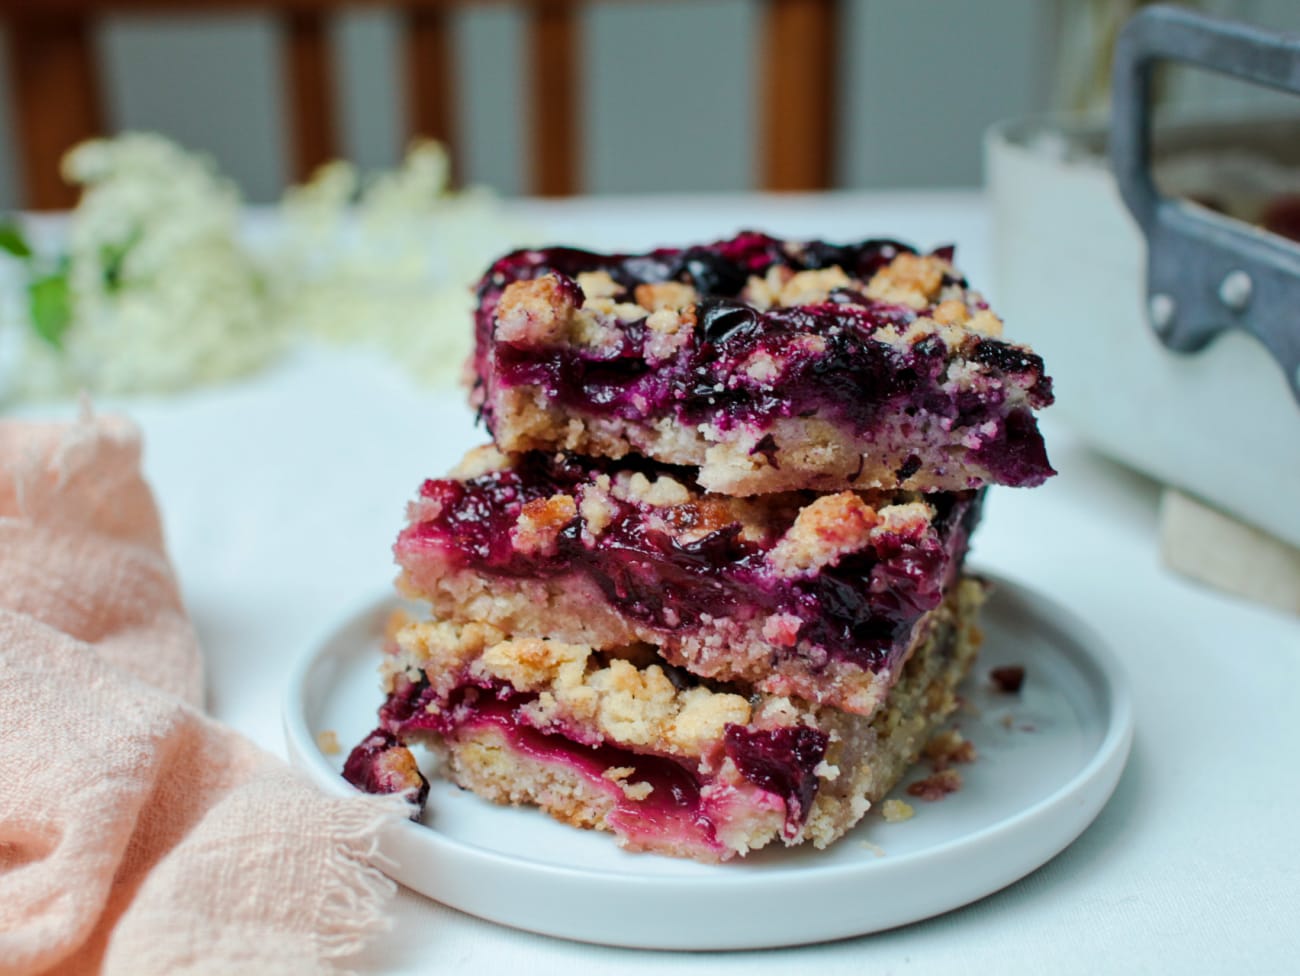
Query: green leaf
x=111, y=257
x=50, y=304
x=13, y=242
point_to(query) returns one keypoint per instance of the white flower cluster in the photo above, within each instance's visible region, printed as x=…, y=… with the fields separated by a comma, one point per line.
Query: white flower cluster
x=166, y=289
x=161, y=294
x=388, y=262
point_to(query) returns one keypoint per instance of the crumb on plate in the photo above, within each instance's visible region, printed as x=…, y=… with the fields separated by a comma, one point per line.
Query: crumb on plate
x=896, y=811
x=328, y=742
x=936, y=786
x=949, y=747
x=1008, y=679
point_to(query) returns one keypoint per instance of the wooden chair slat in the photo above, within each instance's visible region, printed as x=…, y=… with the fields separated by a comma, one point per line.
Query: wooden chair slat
x=553, y=127
x=309, y=84
x=799, y=69
x=430, y=76
x=56, y=100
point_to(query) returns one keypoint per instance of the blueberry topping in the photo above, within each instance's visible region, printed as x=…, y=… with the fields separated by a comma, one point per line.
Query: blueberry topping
x=718, y=318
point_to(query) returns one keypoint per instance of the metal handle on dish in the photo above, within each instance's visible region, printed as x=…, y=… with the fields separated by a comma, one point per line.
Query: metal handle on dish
x=1206, y=273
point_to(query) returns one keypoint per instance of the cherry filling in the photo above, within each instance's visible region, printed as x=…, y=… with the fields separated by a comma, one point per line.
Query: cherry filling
x=862, y=610
x=783, y=761
x=846, y=376
x=677, y=808
x=379, y=764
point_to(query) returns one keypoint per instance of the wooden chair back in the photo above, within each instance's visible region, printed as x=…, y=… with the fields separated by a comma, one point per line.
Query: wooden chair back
x=58, y=102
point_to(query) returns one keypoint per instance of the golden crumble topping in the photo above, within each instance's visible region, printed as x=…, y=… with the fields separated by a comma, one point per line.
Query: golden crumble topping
x=598, y=284
x=910, y=279
x=480, y=461
x=665, y=295
x=824, y=532
x=537, y=530
x=949, y=747
x=812, y=287
x=896, y=811
x=536, y=311
x=596, y=509
x=629, y=705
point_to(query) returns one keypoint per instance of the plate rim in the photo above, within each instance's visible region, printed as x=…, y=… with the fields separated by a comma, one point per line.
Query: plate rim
x=1097, y=778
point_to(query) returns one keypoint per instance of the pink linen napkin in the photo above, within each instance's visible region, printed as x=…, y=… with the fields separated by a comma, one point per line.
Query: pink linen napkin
x=136, y=834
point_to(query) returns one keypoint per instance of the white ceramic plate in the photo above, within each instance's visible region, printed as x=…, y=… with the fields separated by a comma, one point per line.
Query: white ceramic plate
x=1049, y=759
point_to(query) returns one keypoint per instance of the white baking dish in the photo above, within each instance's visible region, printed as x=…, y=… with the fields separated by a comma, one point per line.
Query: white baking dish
x=1069, y=272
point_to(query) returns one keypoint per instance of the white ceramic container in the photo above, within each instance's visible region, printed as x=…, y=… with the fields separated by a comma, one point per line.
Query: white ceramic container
x=1070, y=280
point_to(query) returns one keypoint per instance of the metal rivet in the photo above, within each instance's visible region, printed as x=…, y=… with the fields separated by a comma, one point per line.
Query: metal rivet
x=1162, y=310
x=1235, y=290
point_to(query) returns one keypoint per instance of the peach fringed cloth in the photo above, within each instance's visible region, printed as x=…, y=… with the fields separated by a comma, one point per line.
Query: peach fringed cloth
x=137, y=835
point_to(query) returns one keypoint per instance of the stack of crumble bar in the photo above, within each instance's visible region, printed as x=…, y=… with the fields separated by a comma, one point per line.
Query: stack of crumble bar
x=704, y=590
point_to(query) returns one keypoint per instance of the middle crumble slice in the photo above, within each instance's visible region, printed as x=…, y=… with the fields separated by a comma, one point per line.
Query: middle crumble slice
x=819, y=596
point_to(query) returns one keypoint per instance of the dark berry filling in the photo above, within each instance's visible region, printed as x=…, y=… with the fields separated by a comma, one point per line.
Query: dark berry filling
x=782, y=761
x=380, y=764
x=861, y=610
x=847, y=376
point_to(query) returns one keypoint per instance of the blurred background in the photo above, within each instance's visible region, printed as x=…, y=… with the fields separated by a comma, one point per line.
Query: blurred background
x=670, y=95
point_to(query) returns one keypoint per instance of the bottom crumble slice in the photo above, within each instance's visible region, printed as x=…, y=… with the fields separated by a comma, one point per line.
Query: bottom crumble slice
x=613, y=739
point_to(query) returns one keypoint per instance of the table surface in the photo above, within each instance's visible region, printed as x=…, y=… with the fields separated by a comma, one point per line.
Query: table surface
x=281, y=495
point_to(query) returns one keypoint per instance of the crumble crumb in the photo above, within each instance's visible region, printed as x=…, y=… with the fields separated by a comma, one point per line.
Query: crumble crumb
x=665, y=295
x=985, y=323
x=936, y=786
x=596, y=508
x=663, y=492
x=540, y=522
x=762, y=292
x=824, y=532
x=949, y=747
x=812, y=287
x=896, y=811
x=951, y=312
x=633, y=791
x=598, y=284
x=910, y=279
x=327, y=741
x=1008, y=679
x=536, y=312
x=394, y=623
x=480, y=461
x=761, y=367
x=595, y=325
x=668, y=330
x=875, y=849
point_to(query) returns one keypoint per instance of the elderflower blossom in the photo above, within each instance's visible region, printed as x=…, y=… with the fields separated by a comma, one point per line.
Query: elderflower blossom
x=161, y=293
x=165, y=287
x=394, y=268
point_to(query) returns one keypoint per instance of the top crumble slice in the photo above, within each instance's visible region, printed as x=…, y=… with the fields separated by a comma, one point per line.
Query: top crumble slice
x=768, y=365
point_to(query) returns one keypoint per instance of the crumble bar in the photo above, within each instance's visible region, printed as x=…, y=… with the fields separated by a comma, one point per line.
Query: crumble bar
x=821, y=597
x=768, y=365
x=614, y=740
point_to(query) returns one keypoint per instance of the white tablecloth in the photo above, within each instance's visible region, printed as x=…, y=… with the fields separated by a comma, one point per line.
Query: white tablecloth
x=281, y=496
